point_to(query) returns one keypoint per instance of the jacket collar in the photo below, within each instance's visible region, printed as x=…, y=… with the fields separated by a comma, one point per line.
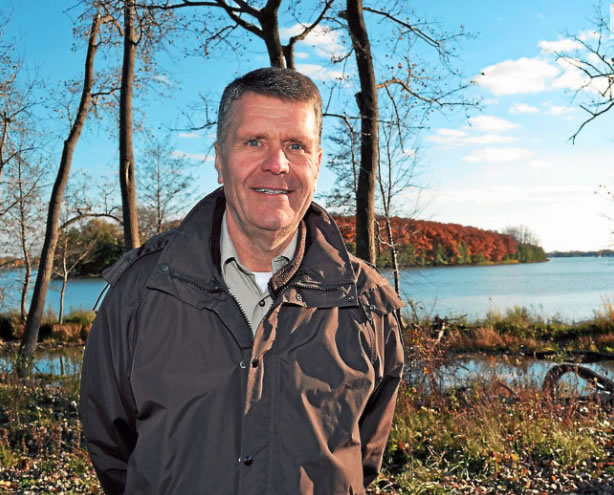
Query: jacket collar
x=321, y=261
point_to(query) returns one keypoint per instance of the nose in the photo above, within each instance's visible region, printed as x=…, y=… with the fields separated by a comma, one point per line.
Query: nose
x=276, y=161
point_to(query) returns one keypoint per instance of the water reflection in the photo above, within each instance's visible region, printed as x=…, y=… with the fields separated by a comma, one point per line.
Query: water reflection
x=59, y=362
x=462, y=372
x=514, y=371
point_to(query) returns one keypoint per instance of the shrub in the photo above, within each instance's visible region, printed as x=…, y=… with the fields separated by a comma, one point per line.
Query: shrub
x=11, y=326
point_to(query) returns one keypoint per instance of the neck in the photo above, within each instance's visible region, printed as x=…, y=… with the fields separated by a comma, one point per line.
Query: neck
x=257, y=252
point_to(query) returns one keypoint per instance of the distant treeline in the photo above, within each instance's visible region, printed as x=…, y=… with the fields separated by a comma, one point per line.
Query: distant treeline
x=585, y=254
x=418, y=243
x=425, y=243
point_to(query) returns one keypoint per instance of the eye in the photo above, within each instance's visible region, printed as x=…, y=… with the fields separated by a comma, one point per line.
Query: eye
x=296, y=147
x=253, y=143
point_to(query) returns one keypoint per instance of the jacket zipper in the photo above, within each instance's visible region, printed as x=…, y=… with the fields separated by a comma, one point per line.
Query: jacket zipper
x=318, y=287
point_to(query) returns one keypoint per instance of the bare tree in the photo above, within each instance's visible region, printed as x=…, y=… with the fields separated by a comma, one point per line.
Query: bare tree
x=366, y=99
x=396, y=174
x=28, y=344
x=263, y=22
x=16, y=103
x=421, y=91
x=343, y=161
x=592, y=58
x=73, y=250
x=126, y=153
x=522, y=234
x=165, y=185
x=23, y=223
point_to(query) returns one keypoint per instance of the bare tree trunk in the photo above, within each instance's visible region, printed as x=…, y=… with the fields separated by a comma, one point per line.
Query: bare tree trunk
x=26, y=280
x=367, y=104
x=5, y=132
x=64, y=279
x=30, y=336
x=393, y=251
x=288, y=51
x=62, y=292
x=270, y=34
x=24, y=243
x=126, y=154
x=26, y=283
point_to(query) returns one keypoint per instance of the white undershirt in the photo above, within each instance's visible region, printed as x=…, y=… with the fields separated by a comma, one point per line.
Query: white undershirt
x=262, y=279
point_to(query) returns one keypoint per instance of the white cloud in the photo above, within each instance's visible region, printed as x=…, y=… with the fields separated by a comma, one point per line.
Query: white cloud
x=326, y=41
x=489, y=139
x=301, y=55
x=189, y=135
x=445, y=133
x=199, y=157
x=488, y=123
x=163, y=79
x=558, y=109
x=319, y=72
x=517, y=108
x=589, y=34
x=571, y=77
x=574, y=79
x=562, y=45
x=498, y=155
x=524, y=75
x=540, y=163
x=455, y=137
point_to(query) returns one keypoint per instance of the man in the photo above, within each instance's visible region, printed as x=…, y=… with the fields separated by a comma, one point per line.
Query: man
x=246, y=352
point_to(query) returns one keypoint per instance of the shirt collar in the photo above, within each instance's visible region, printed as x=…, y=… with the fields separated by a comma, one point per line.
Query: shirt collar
x=228, y=252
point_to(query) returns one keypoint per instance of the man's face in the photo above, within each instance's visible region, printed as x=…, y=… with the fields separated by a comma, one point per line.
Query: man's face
x=269, y=164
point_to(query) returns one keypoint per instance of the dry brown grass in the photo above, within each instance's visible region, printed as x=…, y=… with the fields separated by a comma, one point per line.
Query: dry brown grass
x=486, y=338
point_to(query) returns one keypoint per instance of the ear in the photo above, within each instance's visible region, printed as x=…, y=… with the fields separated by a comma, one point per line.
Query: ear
x=319, y=161
x=218, y=163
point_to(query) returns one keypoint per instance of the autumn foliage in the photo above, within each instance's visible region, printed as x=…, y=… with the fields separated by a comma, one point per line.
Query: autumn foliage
x=421, y=242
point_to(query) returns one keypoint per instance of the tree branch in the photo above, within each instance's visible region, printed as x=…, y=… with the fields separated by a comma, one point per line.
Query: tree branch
x=418, y=32
x=405, y=86
x=308, y=29
x=593, y=116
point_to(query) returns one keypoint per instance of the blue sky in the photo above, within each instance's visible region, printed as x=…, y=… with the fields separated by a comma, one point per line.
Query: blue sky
x=511, y=163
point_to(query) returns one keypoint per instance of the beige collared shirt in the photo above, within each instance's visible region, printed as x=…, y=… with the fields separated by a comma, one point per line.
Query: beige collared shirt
x=242, y=282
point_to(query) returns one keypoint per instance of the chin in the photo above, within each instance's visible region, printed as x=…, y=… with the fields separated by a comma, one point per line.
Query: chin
x=275, y=224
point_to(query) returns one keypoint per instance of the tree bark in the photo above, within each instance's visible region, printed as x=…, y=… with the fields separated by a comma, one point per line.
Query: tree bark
x=32, y=327
x=270, y=35
x=126, y=154
x=367, y=104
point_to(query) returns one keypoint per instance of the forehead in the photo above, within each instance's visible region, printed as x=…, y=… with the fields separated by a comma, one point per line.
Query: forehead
x=259, y=112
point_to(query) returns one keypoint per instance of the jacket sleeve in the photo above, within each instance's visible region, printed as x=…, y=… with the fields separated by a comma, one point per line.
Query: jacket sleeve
x=106, y=404
x=376, y=420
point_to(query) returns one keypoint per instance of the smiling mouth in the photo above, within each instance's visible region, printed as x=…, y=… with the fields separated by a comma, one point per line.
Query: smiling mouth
x=271, y=191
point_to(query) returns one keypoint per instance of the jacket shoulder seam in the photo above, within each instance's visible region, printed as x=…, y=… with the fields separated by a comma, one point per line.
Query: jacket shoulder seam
x=154, y=245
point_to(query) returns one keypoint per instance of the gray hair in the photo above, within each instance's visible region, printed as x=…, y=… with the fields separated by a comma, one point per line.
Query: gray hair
x=285, y=84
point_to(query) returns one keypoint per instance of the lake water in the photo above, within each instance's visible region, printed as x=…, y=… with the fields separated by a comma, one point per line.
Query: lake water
x=80, y=293
x=572, y=288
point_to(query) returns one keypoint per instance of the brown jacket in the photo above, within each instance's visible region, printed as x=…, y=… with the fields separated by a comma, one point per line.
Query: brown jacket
x=178, y=397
